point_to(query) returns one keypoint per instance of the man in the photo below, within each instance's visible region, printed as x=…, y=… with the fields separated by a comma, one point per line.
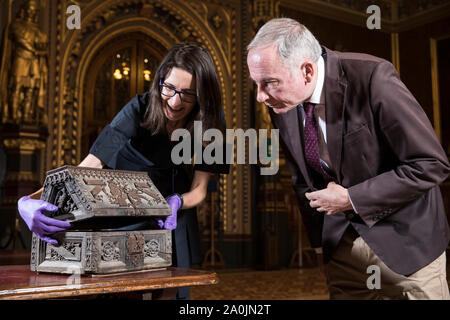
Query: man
x=366, y=164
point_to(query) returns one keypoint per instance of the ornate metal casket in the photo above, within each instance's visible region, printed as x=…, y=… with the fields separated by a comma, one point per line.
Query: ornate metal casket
x=101, y=204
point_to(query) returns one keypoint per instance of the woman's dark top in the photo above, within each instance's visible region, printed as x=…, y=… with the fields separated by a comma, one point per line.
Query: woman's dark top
x=125, y=145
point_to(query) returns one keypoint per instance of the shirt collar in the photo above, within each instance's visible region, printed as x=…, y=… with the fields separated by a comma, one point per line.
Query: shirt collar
x=317, y=96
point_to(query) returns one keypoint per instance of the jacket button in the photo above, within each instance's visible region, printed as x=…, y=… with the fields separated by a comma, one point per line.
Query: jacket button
x=350, y=216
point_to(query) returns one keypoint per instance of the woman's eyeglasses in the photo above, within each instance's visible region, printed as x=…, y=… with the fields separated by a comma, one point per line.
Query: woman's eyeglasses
x=169, y=92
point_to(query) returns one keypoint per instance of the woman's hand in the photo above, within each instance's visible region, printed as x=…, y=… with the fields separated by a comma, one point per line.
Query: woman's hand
x=31, y=212
x=190, y=199
x=175, y=202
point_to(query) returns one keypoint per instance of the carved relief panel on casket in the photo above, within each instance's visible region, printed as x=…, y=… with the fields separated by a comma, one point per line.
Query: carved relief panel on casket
x=82, y=193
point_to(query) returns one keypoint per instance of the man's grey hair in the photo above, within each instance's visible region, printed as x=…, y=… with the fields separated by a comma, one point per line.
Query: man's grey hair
x=294, y=41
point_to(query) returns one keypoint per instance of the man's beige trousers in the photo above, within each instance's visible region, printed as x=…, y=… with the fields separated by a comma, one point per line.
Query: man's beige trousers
x=356, y=272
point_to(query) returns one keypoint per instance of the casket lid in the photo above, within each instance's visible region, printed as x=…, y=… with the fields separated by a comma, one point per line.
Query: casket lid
x=82, y=193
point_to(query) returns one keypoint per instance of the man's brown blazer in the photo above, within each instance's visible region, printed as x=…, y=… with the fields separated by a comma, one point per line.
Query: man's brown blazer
x=384, y=150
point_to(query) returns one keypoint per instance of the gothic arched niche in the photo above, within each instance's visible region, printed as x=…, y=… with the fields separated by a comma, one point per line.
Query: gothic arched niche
x=121, y=69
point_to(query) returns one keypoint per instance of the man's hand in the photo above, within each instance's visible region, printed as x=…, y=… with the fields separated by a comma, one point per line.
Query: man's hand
x=332, y=200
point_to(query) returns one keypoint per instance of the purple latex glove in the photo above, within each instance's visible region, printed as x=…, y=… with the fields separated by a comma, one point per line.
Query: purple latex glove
x=37, y=222
x=175, y=204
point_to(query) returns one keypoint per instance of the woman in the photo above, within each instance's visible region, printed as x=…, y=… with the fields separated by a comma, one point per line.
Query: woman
x=185, y=89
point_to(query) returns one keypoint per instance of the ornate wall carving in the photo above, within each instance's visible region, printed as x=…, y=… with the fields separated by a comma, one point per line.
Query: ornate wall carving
x=24, y=69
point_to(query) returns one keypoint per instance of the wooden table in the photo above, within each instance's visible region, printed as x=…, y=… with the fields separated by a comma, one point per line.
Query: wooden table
x=17, y=282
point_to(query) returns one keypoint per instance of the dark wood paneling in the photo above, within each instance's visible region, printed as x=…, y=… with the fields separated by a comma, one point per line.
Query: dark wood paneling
x=415, y=61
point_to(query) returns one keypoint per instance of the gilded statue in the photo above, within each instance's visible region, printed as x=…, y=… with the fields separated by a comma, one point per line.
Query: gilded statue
x=27, y=77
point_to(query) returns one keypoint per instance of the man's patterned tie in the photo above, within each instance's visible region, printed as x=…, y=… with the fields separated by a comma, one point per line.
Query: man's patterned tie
x=312, y=142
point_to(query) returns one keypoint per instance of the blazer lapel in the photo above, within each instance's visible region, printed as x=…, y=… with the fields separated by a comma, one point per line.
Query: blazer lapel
x=335, y=98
